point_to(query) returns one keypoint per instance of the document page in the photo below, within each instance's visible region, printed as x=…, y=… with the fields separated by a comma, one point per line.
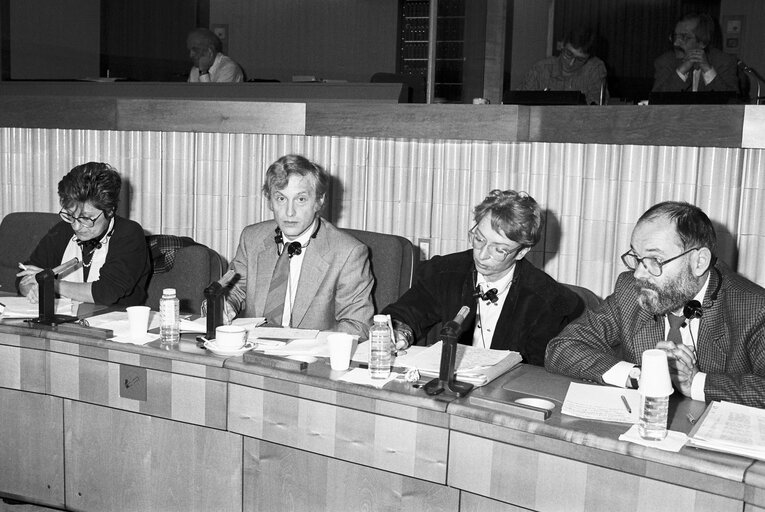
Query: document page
x=20, y=307
x=604, y=403
x=732, y=428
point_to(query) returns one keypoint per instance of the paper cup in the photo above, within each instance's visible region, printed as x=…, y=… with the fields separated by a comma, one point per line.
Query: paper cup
x=654, y=374
x=230, y=337
x=340, y=346
x=138, y=318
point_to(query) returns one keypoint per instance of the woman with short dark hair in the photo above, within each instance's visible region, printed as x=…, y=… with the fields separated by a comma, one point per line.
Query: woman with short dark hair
x=114, y=259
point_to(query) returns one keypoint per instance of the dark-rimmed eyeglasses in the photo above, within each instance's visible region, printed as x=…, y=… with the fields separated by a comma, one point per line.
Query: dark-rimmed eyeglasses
x=497, y=253
x=569, y=55
x=88, y=222
x=686, y=38
x=653, y=265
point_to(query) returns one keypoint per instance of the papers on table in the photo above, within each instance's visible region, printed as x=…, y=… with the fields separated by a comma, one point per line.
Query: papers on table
x=118, y=322
x=308, y=346
x=20, y=307
x=475, y=365
x=200, y=324
x=603, y=403
x=731, y=428
x=283, y=333
x=672, y=443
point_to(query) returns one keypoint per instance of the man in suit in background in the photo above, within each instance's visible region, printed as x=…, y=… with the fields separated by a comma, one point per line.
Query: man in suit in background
x=513, y=304
x=210, y=65
x=709, y=320
x=298, y=270
x=692, y=64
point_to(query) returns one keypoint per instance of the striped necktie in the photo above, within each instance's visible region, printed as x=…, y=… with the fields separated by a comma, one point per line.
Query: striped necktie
x=277, y=290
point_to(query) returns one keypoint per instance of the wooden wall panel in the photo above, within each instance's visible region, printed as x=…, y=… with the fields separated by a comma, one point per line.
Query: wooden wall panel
x=31, y=447
x=282, y=478
x=121, y=461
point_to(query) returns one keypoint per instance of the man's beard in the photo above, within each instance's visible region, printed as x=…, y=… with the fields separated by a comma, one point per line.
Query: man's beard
x=659, y=300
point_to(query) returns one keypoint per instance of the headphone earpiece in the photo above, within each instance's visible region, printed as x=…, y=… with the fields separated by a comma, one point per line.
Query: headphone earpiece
x=693, y=310
x=294, y=248
x=488, y=296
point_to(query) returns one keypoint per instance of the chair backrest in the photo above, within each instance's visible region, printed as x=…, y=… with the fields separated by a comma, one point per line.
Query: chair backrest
x=588, y=296
x=195, y=267
x=19, y=234
x=393, y=260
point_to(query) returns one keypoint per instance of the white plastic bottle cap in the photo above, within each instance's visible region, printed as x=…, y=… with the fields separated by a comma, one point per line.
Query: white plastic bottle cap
x=168, y=291
x=381, y=318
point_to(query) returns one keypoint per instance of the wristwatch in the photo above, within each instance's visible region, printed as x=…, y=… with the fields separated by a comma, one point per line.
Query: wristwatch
x=634, y=377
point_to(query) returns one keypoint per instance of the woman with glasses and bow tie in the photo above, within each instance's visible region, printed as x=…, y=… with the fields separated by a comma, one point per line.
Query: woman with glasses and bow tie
x=574, y=69
x=513, y=305
x=113, y=257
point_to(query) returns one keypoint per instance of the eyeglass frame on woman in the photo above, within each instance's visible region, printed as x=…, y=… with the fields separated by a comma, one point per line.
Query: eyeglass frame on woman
x=659, y=264
x=686, y=38
x=88, y=222
x=473, y=236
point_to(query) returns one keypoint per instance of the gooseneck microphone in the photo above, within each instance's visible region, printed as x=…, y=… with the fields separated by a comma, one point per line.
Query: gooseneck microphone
x=46, y=293
x=446, y=381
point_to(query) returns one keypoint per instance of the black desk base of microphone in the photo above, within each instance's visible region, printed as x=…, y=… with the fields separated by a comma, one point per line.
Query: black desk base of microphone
x=447, y=387
x=54, y=320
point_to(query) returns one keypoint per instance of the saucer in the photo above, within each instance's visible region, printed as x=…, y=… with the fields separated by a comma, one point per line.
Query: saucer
x=228, y=352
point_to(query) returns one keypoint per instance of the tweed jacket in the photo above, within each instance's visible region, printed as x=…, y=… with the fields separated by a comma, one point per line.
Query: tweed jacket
x=665, y=78
x=335, y=287
x=536, y=308
x=730, y=345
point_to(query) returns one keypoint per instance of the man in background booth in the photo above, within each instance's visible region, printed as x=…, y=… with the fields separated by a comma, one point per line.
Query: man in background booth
x=574, y=69
x=692, y=64
x=299, y=270
x=677, y=297
x=210, y=65
x=513, y=305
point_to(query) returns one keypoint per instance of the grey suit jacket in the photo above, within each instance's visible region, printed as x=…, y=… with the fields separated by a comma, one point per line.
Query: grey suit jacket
x=730, y=344
x=335, y=287
x=665, y=77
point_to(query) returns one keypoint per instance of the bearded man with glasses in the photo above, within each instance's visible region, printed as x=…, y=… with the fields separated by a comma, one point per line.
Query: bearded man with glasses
x=114, y=258
x=574, y=69
x=674, y=283
x=513, y=305
x=693, y=64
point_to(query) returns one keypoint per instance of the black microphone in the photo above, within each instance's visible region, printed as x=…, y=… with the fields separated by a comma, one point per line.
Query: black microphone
x=446, y=380
x=214, y=297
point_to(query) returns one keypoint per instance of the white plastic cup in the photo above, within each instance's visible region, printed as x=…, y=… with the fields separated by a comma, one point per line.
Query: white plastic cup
x=340, y=346
x=654, y=374
x=138, y=318
x=230, y=337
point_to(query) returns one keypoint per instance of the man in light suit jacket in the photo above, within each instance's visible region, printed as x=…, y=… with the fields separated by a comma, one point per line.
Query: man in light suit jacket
x=720, y=353
x=692, y=64
x=329, y=283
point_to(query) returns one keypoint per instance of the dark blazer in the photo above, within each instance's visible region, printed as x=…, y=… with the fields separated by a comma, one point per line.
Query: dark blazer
x=665, y=78
x=335, y=287
x=730, y=344
x=536, y=308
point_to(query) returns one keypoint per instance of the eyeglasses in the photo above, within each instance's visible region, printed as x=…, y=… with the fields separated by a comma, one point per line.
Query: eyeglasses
x=651, y=264
x=496, y=252
x=686, y=38
x=88, y=222
x=569, y=55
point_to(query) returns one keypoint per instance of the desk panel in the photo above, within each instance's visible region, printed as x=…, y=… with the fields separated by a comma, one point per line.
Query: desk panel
x=31, y=447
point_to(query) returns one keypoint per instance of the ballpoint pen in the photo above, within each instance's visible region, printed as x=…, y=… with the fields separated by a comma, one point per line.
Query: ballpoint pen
x=626, y=404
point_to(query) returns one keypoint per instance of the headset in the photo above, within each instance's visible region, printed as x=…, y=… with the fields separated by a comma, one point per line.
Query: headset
x=694, y=309
x=488, y=296
x=293, y=248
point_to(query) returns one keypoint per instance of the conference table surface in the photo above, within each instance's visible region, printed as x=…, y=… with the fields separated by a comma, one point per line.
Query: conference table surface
x=470, y=430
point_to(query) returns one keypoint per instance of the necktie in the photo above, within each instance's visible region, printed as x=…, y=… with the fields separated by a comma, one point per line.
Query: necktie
x=277, y=290
x=675, y=322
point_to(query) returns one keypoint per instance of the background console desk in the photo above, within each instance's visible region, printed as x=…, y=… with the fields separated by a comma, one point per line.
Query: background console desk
x=219, y=434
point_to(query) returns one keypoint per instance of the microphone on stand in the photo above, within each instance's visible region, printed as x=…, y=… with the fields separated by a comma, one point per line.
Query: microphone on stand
x=46, y=293
x=753, y=72
x=214, y=297
x=446, y=381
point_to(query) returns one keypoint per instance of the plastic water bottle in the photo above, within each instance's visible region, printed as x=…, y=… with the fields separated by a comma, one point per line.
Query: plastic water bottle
x=170, y=321
x=379, y=348
x=653, y=417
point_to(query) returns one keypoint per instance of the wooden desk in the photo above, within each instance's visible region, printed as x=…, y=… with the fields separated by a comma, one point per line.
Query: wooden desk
x=219, y=434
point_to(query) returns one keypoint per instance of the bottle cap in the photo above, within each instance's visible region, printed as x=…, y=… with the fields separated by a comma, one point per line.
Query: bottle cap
x=381, y=318
x=168, y=291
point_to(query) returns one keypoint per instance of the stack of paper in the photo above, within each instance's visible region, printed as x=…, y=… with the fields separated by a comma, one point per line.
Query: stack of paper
x=604, y=403
x=20, y=307
x=478, y=366
x=731, y=428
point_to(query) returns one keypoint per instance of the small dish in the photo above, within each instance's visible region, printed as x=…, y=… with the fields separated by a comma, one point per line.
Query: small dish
x=228, y=352
x=538, y=403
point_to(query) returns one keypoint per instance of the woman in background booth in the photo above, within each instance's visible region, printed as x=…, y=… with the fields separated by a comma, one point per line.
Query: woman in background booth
x=112, y=250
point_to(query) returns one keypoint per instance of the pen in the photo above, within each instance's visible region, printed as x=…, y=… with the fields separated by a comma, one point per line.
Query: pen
x=626, y=404
x=691, y=419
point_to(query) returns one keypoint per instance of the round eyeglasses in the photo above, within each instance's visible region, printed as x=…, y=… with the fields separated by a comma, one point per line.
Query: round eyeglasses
x=569, y=56
x=496, y=252
x=88, y=222
x=653, y=265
